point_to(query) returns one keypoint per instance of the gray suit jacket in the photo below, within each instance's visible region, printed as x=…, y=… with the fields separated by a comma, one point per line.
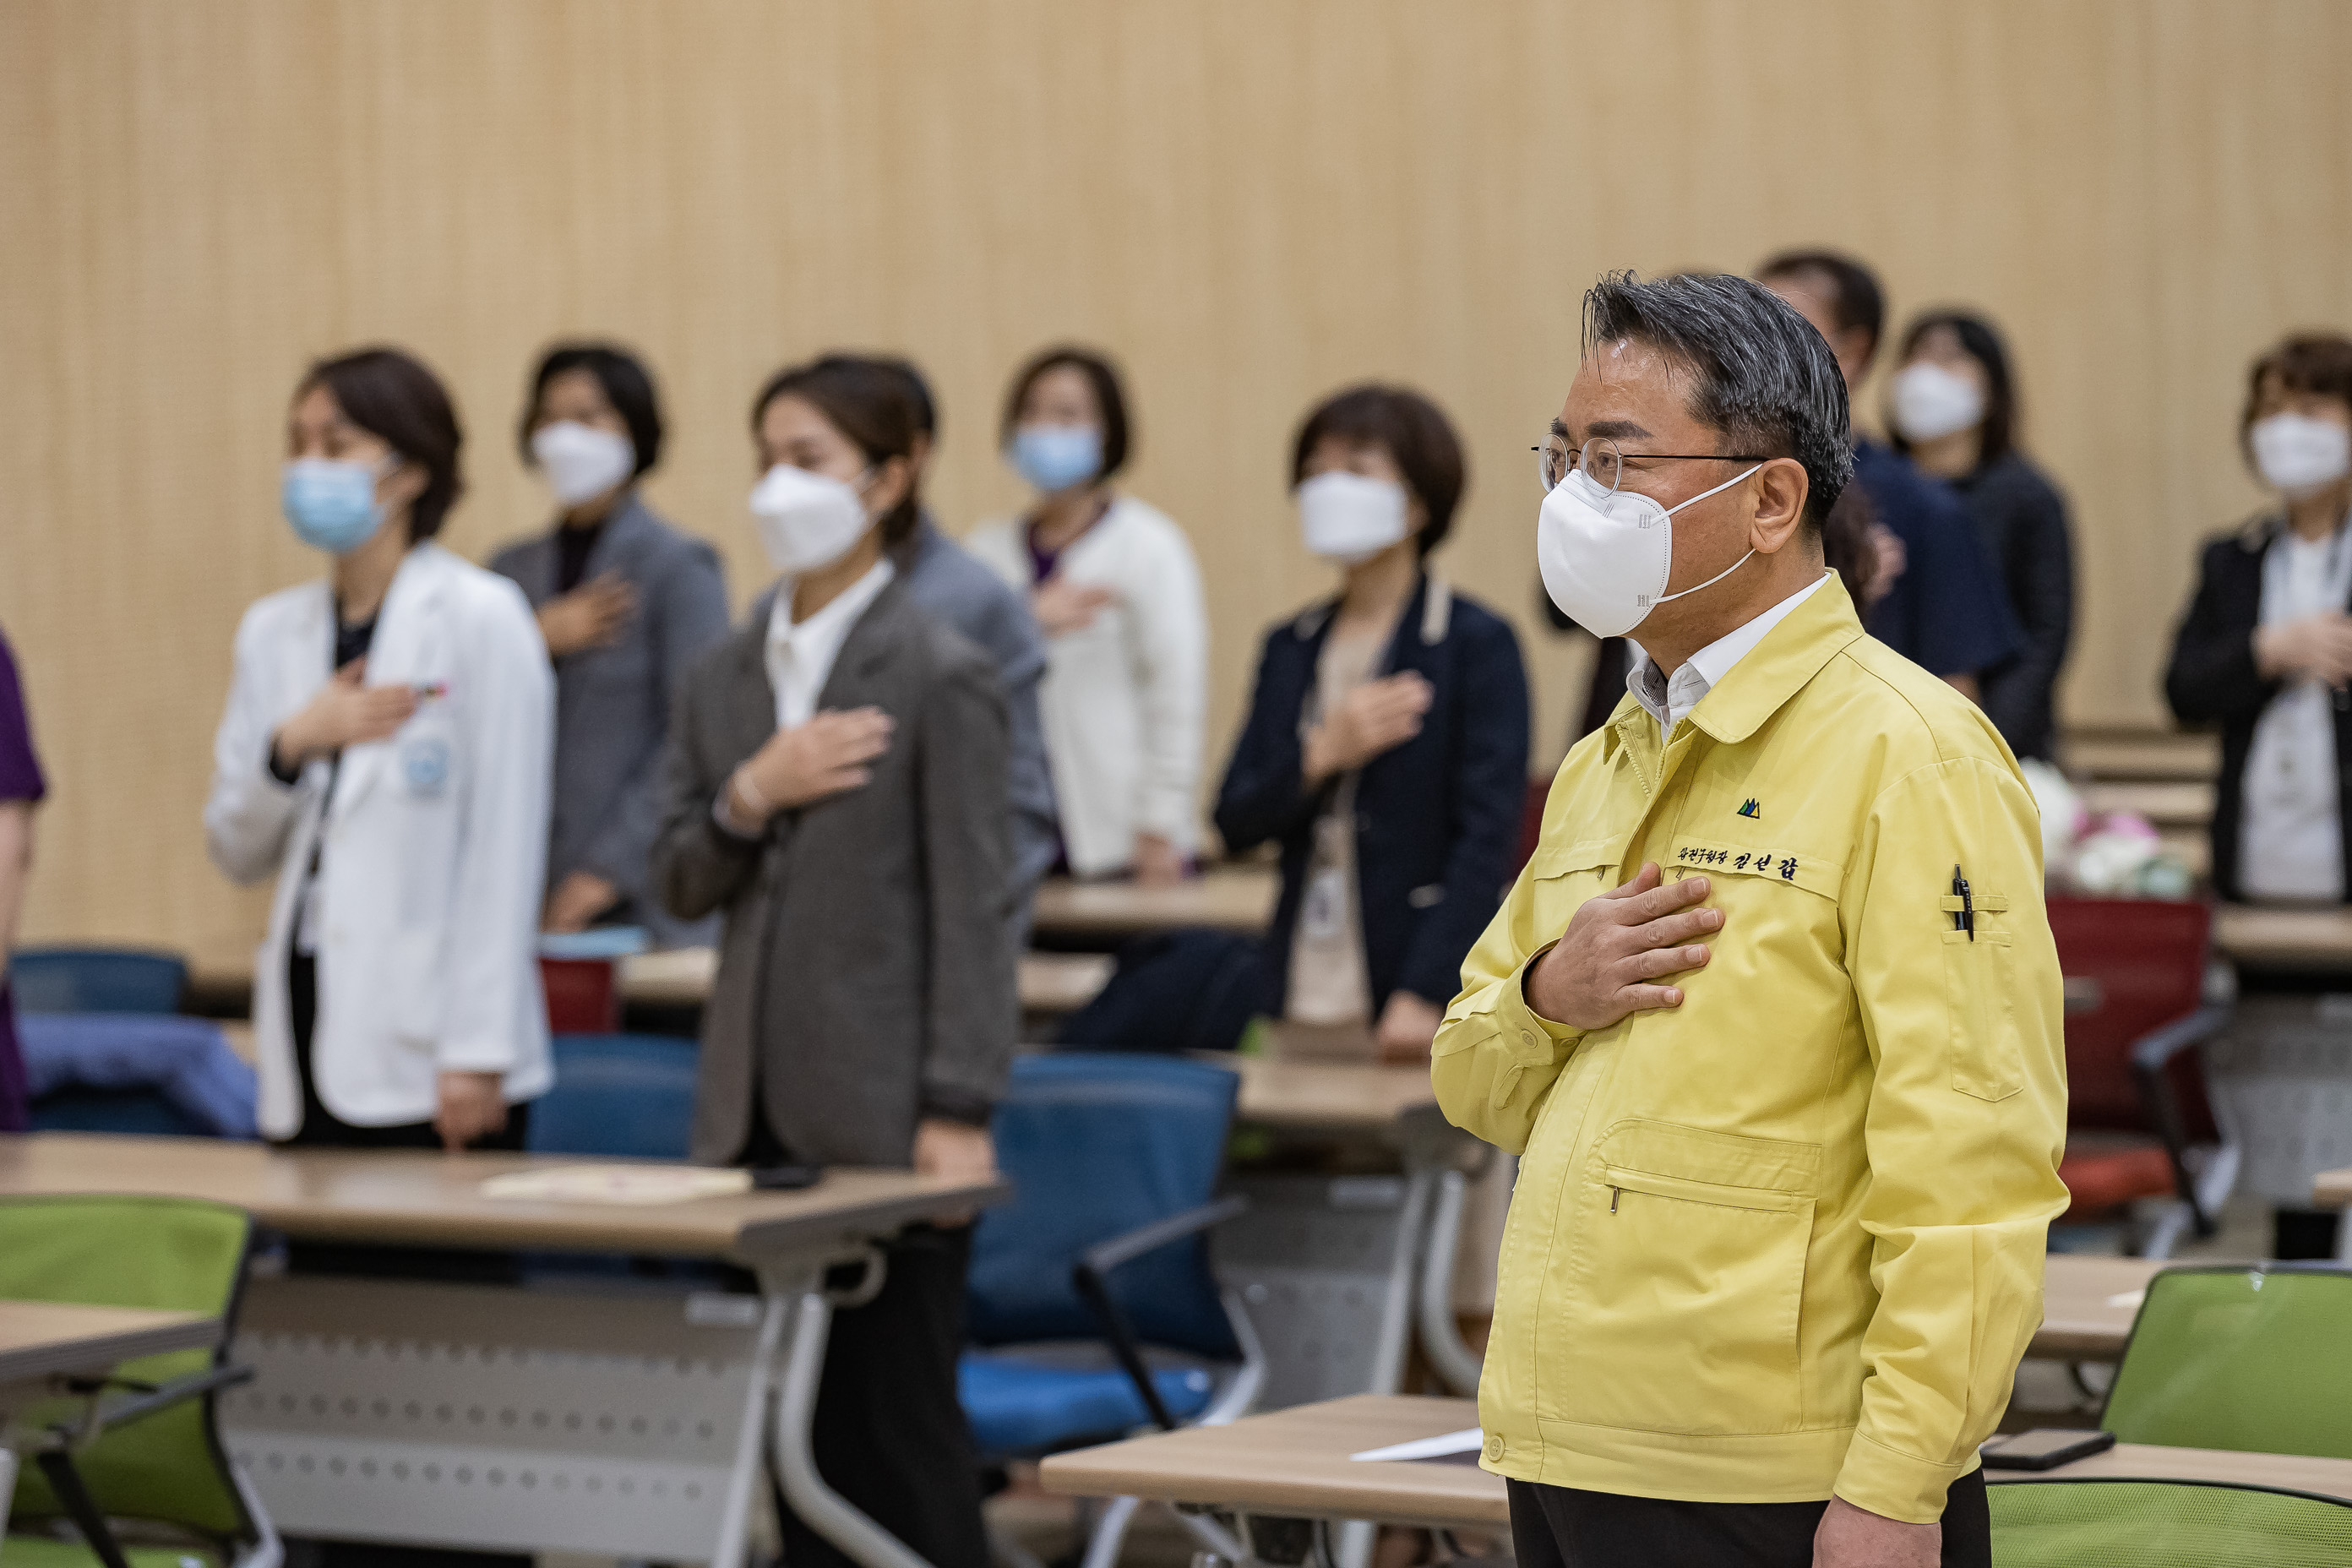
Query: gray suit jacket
x=613, y=704
x=865, y=973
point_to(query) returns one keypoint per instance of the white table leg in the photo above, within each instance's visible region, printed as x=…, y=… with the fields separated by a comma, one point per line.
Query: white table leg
x=820, y=1507
x=735, y=1510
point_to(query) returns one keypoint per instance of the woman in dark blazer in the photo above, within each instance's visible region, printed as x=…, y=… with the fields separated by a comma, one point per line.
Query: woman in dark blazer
x=1386, y=747
x=626, y=603
x=1953, y=410
x=837, y=790
x=2266, y=649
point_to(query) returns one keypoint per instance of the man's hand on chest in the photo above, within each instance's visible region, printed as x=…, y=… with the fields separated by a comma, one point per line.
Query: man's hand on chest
x=1619, y=947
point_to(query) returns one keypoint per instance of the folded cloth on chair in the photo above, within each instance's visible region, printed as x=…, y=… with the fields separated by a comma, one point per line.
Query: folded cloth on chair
x=188, y=1062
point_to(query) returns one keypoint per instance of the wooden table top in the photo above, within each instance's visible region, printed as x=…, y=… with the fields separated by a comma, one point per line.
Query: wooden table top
x=2166, y=803
x=2146, y=1462
x=681, y=977
x=1325, y=1096
x=42, y=1339
x=1226, y=898
x=1295, y=1461
x=420, y=1198
x=2154, y=754
x=2088, y=1305
x=2308, y=938
x=2333, y=1190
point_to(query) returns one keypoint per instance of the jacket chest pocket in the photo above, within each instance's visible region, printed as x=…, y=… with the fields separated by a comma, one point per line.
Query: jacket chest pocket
x=1567, y=876
x=1687, y=1290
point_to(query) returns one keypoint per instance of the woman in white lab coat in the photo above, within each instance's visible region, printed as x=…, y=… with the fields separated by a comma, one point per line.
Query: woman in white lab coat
x=385, y=755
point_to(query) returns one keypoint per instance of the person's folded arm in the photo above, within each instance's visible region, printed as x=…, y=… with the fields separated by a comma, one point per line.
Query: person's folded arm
x=1965, y=1124
x=2212, y=675
x=973, y=1016
x=1171, y=667
x=488, y=956
x=686, y=615
x=250, y=811
x=1495, y=1058
x=1490, y=799
x=2046, y=613
x=1264, y=793
x=697, y=865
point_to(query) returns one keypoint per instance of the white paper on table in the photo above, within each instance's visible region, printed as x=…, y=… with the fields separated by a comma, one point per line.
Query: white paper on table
x=1466, y=1441
x=630, y=1185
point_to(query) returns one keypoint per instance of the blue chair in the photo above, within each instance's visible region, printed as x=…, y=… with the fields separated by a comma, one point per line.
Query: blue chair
x=96, y=980
x=140, y=1073
x=628, y=1096
x=1092, y=1304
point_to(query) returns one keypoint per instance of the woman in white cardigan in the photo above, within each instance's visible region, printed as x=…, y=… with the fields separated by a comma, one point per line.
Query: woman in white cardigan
x=1115, y=590
x=385, y=755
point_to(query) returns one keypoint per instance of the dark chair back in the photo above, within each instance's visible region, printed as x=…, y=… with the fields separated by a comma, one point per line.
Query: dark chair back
x=1098, y=1145
x=96, y=980
x=617, y=1095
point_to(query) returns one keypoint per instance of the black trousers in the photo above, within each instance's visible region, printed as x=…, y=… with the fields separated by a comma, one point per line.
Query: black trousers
x=888, y=1432
x=1559, y=1527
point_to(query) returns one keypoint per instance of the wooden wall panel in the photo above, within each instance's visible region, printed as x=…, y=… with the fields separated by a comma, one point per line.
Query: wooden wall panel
x=1250, y=203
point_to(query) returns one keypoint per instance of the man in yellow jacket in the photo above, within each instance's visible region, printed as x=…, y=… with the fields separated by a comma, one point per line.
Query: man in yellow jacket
x=1772, y=1015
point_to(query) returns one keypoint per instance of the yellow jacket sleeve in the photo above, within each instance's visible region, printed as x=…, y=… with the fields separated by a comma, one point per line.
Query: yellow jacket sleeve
x=1495, y=1058
x=1966, y=1121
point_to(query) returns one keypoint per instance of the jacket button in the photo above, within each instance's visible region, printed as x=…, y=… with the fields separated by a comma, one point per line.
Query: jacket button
x=1495, y=1447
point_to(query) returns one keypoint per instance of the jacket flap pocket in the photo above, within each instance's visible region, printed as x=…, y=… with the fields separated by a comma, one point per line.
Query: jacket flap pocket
x=1723, y=1159
x=1585, y=855
x=1773, y=862
x=1723, y=1195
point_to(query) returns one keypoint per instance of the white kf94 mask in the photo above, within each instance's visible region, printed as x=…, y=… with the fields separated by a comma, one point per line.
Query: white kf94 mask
x=805, y=521
x=1606, y=557
x=1351, y=517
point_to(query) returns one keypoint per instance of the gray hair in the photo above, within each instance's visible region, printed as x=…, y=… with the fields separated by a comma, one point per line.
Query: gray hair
x=1760, y=373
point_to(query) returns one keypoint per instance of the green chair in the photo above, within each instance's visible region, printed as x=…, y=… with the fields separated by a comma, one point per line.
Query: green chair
x=2250, y=1358
x=2159, y=1524
x=133, y=1474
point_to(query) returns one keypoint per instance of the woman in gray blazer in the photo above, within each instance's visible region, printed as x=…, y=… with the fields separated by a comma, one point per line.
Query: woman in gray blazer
x=626, y=603
x=837, y=790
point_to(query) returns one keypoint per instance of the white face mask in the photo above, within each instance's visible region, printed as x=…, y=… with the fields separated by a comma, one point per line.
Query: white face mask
x=2298, y=455
x=806, y=521
x=1931, y=403
x=581, y=462
x=1606, y=559
x=1349, y=518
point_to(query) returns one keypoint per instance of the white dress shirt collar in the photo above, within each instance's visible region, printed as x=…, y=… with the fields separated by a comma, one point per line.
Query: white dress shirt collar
x=801, y=654
x=1670, y=700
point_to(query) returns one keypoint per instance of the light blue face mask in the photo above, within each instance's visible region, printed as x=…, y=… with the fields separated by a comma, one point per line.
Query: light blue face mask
x=331, y=505
x=1057, y=456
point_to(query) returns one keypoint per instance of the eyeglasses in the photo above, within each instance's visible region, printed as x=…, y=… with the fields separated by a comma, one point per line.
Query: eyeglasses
x=1604, y=465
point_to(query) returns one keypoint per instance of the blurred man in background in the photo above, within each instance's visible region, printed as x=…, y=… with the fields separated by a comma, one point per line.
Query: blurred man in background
x=1943, y=609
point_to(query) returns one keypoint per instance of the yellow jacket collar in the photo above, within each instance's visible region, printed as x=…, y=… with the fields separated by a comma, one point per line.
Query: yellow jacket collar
x=1776, y=670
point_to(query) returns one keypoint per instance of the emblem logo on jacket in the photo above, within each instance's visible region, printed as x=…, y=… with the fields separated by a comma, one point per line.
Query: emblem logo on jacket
x=425, y=763
x=1749, y=809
